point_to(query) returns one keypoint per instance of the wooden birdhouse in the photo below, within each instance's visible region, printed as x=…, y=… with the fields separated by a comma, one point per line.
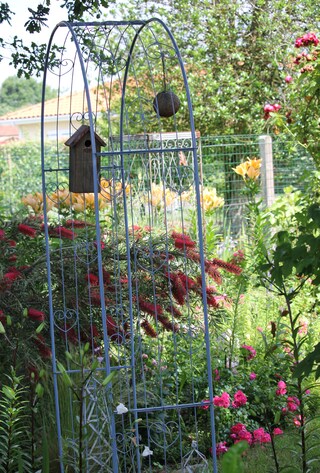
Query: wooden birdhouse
x=80, y=159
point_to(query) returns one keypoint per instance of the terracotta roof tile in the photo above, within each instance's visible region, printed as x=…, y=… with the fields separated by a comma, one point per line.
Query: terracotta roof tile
x=64, y=105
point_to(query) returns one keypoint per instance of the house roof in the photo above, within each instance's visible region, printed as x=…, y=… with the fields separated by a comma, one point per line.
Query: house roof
x=77, y=135
x=62, y=105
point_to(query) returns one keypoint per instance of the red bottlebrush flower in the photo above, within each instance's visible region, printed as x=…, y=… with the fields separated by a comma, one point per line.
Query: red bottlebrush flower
x=179, y=291
x=77, y=224
x=182, y=240
x=193, y=255
x=189, y=283
x=12, y=243
x=27, y=230
x=93, y=279
x=63, y=232
x=212, y=301
x=150, y=307
x=173, y=310
x=12, y=275
x=212, y=270
x=95, y=332
x=168, y=324
x=36, y=315
x=95, y=296
x=3, y=318
x=69, y=334
x=112, y=327
x=2, y=234
x=44, y=350
x=149, y=330
x=106, y=277
x=12, y=258
x=230, y=267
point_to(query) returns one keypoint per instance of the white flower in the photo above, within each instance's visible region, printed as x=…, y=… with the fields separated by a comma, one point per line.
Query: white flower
x=146, y=452
x=121, y=409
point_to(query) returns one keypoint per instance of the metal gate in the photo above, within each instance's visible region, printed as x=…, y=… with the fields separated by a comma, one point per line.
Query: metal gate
x=128, y=281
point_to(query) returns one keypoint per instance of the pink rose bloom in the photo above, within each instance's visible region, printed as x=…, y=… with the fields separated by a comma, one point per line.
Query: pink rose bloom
x=260, y=436
x=221, y=448
x=216, y=375
x=268, y=108
x=281, y=391
x=252, y=376
x=244, y=435
x=239, y=399
x=222, y=401
x=297, y=421
x=276, y=107
x=277, y=431
x=288, y=79
x=251, y=352
x=293, y=403
x=235, y=429
x=206, y=404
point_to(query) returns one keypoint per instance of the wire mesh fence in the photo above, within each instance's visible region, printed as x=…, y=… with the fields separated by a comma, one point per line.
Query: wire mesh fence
x=20, y=172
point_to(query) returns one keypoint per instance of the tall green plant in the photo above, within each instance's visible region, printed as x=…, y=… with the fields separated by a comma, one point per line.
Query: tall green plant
x=15, y=456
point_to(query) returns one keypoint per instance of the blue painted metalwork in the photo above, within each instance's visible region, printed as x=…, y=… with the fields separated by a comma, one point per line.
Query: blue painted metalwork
x=126, y=265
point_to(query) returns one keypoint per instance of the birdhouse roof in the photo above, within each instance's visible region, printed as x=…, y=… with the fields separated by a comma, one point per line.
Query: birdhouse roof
x=80, y=133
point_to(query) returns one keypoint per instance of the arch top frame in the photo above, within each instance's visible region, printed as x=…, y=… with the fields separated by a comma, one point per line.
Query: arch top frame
x=108, y=76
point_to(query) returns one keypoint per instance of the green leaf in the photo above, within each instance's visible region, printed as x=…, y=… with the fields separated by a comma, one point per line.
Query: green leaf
x=2, y=329
x=40, y=327
x=231, y=461
x=109, y=378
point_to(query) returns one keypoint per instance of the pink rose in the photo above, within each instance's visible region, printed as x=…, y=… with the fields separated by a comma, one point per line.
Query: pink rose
x=288, y=79
x=281, y=391
x=239, y=399
x=277, y=431
x=252, y=376
x=222, y=401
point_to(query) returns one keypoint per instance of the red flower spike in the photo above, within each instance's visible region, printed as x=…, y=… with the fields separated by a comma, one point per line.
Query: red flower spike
x=179, y=291
x=112, y=327
x=150, y=308
x=173, y=310
x=63, y=232
x=149, y=330
x=167, y=324
x=2, y=234
x=77, y=224
x=212, y=302
x=213, y=272
x=36, y=315
x=106, y=277
x=230, y=267
x=93, y=279
x=44, y=350
x=189, y=283
x=27, y=230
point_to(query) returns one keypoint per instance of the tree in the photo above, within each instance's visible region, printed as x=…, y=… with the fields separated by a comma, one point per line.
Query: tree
x=237, y=48
x=15, y=93
x=29, y=60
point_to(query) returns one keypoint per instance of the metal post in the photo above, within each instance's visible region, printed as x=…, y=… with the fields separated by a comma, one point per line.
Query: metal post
x=265, y=145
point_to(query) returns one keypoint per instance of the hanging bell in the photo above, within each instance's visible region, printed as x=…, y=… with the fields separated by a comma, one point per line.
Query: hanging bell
x=166, y=104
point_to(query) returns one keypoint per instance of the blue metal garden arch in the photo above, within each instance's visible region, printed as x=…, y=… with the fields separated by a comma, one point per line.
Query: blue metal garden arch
x=107, y=276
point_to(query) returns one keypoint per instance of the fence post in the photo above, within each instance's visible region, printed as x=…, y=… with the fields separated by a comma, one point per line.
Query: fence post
x=265, y=145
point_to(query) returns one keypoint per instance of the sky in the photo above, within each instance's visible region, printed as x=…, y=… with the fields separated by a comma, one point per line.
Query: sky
x=20, y=7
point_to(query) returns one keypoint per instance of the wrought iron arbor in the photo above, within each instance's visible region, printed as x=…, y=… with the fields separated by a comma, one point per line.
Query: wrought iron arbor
x=127, y=274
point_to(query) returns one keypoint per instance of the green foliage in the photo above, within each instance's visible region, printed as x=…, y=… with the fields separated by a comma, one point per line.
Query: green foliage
x=232, y=462
x=14, y=428
x=29, y=60
x=237, y=51
x=16, y=93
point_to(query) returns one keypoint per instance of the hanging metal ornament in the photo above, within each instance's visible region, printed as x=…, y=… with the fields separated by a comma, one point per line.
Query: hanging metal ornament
x=166, y=103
